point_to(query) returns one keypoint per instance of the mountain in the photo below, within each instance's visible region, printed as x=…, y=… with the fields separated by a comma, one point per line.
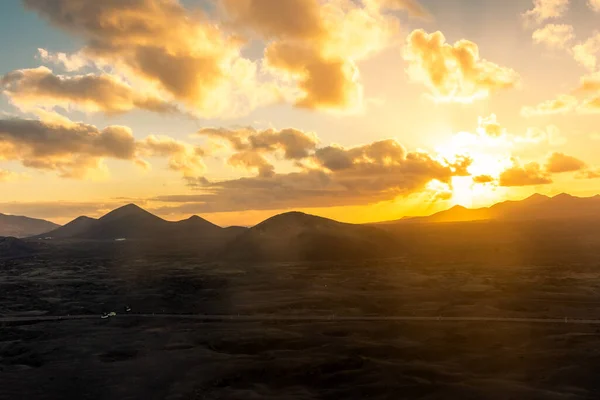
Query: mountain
x=12, y=247
x=535, y=207
x=18, y=226
x=296, y=236
x=133, y=222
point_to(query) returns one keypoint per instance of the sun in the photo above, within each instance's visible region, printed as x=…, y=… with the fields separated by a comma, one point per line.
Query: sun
x=489, y=158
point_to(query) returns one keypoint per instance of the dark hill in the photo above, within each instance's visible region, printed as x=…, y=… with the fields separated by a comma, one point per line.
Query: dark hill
x=19, y=226
x=297, y=236
x=132, y=222
x=12, y=247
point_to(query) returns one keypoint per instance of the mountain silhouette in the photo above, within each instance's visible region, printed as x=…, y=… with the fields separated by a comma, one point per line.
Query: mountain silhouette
x=133, y=222
x=19, y=226
x=295, y=236
x=535, y=207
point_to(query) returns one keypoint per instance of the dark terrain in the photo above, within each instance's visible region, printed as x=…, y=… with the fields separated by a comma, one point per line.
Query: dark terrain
x=506, y=269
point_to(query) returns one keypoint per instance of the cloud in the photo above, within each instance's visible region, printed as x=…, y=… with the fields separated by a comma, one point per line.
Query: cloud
x=588, y=174
x=316, y=44
x=546, y=9
x=251, y=145
x=483, y=179
x=527, y=175
x=594, y=5
x=590, y=105
x=589, y=83
x=550, y=135
x=560, y=162
x=183, y=157
x=560, y=105
x=586, y=53
x=490, y=126
x=337, y=176
x=77, y=150
x=8, y=176
x=413, y=7
x=165, y=47
x=70, y=62
x=454, y=73
x=39, y=87
x=555, y=36
x=72, y=150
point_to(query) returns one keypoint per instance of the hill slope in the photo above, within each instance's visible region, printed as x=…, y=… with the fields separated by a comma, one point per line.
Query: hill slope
x=536, y=207
x=297, y=236
x=19, y=226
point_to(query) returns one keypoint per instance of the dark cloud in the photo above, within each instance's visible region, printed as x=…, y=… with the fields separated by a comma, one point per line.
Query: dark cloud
x=338, y=176
x=40, y=87
x=76, y=149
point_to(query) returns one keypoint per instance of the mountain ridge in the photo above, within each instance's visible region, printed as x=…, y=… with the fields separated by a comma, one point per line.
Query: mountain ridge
x=534, y=207
x=20, y=226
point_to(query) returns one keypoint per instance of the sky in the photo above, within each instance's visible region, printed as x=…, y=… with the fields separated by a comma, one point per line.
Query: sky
x=236, y=110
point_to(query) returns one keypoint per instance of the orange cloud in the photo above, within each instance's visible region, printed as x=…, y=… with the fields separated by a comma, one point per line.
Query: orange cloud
x=560, y=162
x=316, y=44
x=483, y=179
x=454, y=73
x=555, y=36
x=527, y=175
x=339, y=176
x=183, y=157
x=39, y=87
x=164, y=47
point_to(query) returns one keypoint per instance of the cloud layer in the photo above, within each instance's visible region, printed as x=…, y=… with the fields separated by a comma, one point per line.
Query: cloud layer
x=454, y=72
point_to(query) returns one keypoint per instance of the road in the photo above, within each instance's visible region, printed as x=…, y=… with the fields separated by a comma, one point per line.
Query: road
x=304, y=318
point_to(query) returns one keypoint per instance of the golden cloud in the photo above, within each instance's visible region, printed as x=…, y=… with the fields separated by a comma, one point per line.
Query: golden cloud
x=560, y=162
x=77, y=150
x=594, y=5
x=555, y=36
x=586, y=53
x=530, y=174
x=560, y=105
x=72, y=150
x=182, y=157
x=166, y=48
x=483, y=179
x=454, y=73
x=546, y=9
x=251, y=145
x=317, y=44
x=39, y=87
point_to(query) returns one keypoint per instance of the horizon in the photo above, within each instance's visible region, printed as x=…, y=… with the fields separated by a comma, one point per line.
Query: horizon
x=353, y=130
x=312, y=214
